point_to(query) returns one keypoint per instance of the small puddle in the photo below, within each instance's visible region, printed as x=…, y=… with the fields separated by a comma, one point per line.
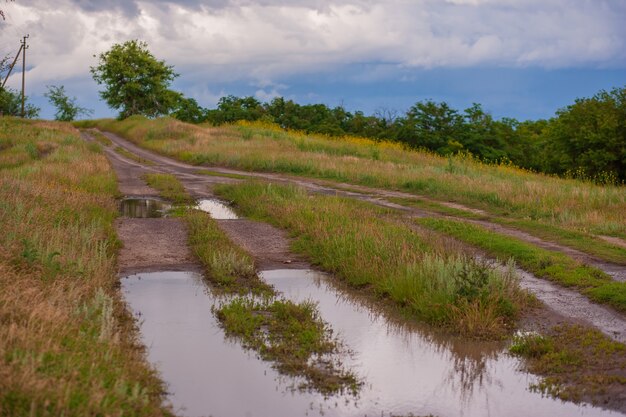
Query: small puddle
x=143, y=208
x=406, y=371
x=217, y=209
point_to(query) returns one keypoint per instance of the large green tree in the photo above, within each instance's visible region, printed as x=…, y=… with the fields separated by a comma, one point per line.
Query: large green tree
x=135, y=82
x=588, y=138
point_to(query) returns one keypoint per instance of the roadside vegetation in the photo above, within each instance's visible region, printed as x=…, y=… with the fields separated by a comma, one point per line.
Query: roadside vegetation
x=67, y=344
x=550, y=265
x=291, y=335
x=580, y=240
x=501, y=190
x=422, y=274
x=577, y=364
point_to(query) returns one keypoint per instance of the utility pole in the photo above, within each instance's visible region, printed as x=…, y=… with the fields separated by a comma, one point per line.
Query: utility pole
x=24, y=48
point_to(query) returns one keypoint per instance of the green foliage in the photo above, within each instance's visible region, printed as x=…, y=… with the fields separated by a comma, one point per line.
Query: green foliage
x=11, y=104
x=135, y=81
x=588, y=138
x=67, y=109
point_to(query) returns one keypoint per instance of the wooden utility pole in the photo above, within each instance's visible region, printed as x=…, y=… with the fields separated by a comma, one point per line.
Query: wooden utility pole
x=24, y=48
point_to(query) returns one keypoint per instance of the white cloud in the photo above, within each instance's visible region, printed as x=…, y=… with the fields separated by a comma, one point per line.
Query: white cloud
x=228, y=40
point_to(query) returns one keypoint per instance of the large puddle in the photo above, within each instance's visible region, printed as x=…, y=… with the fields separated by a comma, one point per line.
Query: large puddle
x=217, y=209
x=143, y=208
x=406, y=371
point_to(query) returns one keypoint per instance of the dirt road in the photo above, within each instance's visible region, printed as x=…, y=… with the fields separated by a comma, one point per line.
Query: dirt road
x=158, y=244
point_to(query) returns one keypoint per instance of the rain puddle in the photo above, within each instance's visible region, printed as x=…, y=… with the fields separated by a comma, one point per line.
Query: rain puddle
x=217, y=209
x=142, y=208
x=406, y=371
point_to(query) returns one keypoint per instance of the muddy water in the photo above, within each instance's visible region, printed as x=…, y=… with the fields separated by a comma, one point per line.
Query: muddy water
x=143, y=208
x=217, y=209
x=405, y=370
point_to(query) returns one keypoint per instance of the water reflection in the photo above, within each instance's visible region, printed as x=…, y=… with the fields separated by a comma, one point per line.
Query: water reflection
x=217, y=209
x=143, y=208
x=407, y=369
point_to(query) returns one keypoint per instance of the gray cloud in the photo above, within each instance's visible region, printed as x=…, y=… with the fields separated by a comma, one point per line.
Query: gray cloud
x=264, y=40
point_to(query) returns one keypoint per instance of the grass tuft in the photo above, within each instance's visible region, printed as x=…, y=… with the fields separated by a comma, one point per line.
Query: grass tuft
x=169, y=188
x=291, y=335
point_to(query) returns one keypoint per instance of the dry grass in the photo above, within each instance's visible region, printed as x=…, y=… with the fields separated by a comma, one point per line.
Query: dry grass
x=499, y=189
x=67, y=344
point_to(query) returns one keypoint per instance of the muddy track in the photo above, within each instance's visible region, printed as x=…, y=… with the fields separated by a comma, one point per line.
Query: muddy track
x=270, y=246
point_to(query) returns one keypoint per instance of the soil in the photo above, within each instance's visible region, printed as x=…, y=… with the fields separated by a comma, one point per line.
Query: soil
x=153, y=245
x=268, y=245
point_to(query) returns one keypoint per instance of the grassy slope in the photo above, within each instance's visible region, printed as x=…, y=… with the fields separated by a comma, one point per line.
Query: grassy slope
x=67, y=344
x=501, y=190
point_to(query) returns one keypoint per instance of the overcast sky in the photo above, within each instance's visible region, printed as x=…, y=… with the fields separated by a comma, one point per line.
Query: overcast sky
x=519, y=58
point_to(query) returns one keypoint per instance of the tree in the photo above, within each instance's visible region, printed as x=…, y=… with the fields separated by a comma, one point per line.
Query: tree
x=588, y=138
x=135, y=81
x=67, y=109
x=188, y=110
x=11, y=104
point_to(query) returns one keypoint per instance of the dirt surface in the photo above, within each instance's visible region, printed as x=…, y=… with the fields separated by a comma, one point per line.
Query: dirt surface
x=153, y=245
x=268, y=245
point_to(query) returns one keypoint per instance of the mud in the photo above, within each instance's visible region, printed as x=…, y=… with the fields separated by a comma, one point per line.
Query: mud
x=152, y=244
x=268, y=245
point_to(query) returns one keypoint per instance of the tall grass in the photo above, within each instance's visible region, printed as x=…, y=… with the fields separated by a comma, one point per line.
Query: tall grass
x=554, y=266
x=67, y=344
x=499, y=189
x=427, y=277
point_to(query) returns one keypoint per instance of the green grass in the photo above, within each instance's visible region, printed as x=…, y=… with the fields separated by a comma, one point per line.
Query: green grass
x=291, y=335
x=576, y=363
x=169, y=187
x=369, y=248
x=502, y=190
x=67, y=344
x=126, y=153
x=554, y=266
x=229, y=268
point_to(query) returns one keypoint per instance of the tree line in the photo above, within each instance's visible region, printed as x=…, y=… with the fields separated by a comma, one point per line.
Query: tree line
x=585, y=140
